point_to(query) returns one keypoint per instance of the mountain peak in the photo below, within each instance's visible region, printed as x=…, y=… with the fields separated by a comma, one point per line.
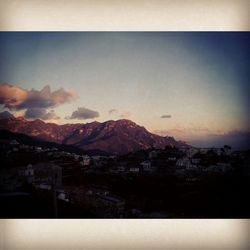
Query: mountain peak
x=125, y=121
x=20, y=118
x=94, y=122
x=38, y=121
x=115, y=137
x=6, y=115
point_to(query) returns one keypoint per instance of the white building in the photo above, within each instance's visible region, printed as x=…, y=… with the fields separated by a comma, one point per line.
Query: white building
x=147, y=166
x=38, y=149
x=219, y=167
x=86, y=160
x=184, y=163
x=121, y=169
x=134, y=170
x=76, y=157
x=195, y=160
x=14, y=142
x=28, y=173
x=62, y=196
x=172, y=158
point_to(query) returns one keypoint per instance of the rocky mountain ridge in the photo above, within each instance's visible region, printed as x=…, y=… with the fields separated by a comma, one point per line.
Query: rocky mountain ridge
x=116, y=137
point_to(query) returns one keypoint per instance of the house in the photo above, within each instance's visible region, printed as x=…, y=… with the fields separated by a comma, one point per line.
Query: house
x=134, y=169
x=27, y=173
x=184, y=163
x=98, y=200
x=121, y=168
x=62, y=195
x=219, y=168
x=14, y=143
x=108, y=205
x=38, y=149
x=172, y=158
x=152, y=154
x=147, y=166
x=196, y=161
x=85, y=160
x=75, y=157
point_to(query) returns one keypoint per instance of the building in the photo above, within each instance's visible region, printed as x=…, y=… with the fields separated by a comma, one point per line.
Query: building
x=99, y=201
x=61, y=195
x=121, y=169
x=38, y=149
x=196, y=161
x=147, y=166
x=28, y=173
x=14, y=143
x=85, y=160
x=219, y=168
x=152, y=154
x=184, y=163
x=134, y=169
x=172, y=158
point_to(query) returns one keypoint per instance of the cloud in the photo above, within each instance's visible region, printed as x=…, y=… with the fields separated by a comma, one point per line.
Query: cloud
x=14, y=97
x=126, y=114
x=166, y=116
x=40, y=113
x=83, y=113
x=113, y=111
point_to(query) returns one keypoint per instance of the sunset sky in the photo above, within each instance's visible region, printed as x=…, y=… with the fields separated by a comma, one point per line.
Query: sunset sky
x=184, y=83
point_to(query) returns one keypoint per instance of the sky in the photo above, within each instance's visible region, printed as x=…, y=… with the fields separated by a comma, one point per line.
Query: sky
x=184, y=84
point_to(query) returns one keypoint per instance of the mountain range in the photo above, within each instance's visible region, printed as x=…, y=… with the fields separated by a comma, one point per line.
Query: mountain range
x=114, y=137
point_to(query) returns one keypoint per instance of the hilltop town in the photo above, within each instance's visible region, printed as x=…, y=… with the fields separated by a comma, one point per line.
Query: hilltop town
x=143, y=184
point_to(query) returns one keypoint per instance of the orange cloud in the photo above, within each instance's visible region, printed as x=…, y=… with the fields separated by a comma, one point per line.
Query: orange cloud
x=14, y=97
